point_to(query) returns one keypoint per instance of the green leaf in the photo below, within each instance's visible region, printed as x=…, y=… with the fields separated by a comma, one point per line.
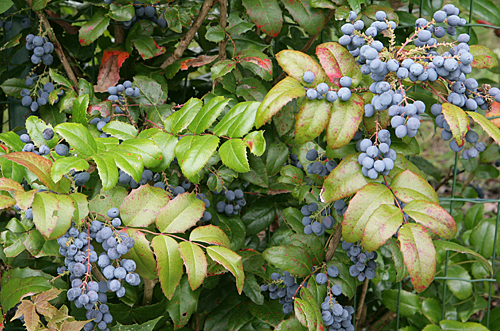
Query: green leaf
x=147, y=149
x=458, y=121
x=461, y=289
x=208, y=114
x=63, y=166
x=265, y=14
x=484, y=58
x=312, y=20
x=39, y=4
x=121, y=13
x=282, y=93
x=146, y=326
x=431, y=308
x=397, y=257
x=289, y=257
x=152, y=93
x=34, y=242
x=338, y=62
x=180, y=120
x=419, y=255
x=408, y=186
x=215, y=33
x=35, y=127
x=474, y=215
x=79, y=112
x=52, y=214
x=256, y=142
x=258, y=216
x=180, y=213
x=277, y=155
x=37, y=164
x=269, y=312
x=60, y=79
x=81, y=205
x=238, y=121
x=295, y=63
x=120, y=130
x=487, y=126
x=482, y=237
x=344, y=279
x=12, y=140
x=432, y=216
x=257, y=174
x=193, y=152
x=106, y=200
x=459, y=326
x=291, y=324
x=451, y=246
x=16, y=288
x=344, y=121
x=78, y=137
x=484, y=9
x=409, y=305
x=231, y=261
x=141, y=207
x=12, y=87
x=251, y=89
x=183, y=304
x=257, y=62
x=169, y=263
x=166, y=142
x=210, y=234
x=312, y=120
x=252, y=289
x=233, y=154
x=382, y=224
x=6, y=202
x=147, y=47
x=195, y=262
x=222, y=68
x=93, y=29
x=142, y=255
x=4, y=6
x=108, y=172
x=128, y=162
x=361, y=207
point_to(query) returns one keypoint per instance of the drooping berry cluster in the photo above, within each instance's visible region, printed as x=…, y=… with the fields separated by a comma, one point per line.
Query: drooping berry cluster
x=323, y=90
x=143, y=12
x=284, y=288
x=42, y=49
x=41, y=97
x=317, y=167
x=376, y=159
x=365, y=264
x=315, y=221
x=233, y=203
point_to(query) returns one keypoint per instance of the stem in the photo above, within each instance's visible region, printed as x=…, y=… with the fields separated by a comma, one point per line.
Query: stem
x=149, y=285
x=362, y=301
x=57, y=46
x=223, y=23
x=334, y=242
x=186, y=40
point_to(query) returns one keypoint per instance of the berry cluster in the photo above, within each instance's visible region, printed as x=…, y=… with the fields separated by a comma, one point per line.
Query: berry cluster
x=79, y=253
x=283, y=287
x=143, y=13
x=42, y=49
x=147, y=176
x=233, y=203
x=43, y=95
x=371, y=157
x=365, y=264
x=317, y=167
x=295, y=161
x=314, y=221
x=30, y=147
x=100, y=122
x=323, y=90
x=340, y=207
x=336, y=316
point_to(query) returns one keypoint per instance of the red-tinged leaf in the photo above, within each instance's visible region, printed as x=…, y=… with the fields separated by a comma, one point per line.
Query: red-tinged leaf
x=371, y=10
x=101, y=108
x=408, y=186
x=344, y=121
x=180, y=213
x=257, y=62
x=382, y=224
x=210, y=234
x=72, y=325
x=24, y=199
x=221, y=68
x=37, y=164
x=6, y=202
x=312, y=20
x=141, y=206
x=256, y=142
x=265, y=14
x=142, y=255
x=52, y=214
x=28, y=310
x=231, y=261
x=109, y=71
x=345, y=180
x=299, y=308
x=169, y=263
x=432, y=216
x=487, y=125
x=7, y=184
x=282, y=93
x=484, y=58
x=458, y=122
x=494, y=111
x=195, y=262
x=197, y=62
x=147, y=47
x=361, y=208
x=312, y=119
x=295, y=63
x=338, y=62
x=94, y=28
x=419, y=255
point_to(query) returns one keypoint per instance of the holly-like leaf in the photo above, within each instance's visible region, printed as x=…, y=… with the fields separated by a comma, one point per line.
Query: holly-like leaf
x=141, y=207
x=451, y=246
x=193, y=152
x=180, y=120
x=231, y=261
x=195, y=262
x=35, y=127
x=432, y=216
x=282, y=93
x=183, y=304
x=120, y=130
x=238, y=121
x=312, y=119
x=484, y=58
x=295, y=63
x=210, y=234
x=121, y=13
x=409, y=303
x=397, y=257
x=147, y=149
x=142, y=255
x=13, y=86
x=338, y=62
x=128, y=162
x=344, y=121
x=257, y=62
x=180, y=213
x=62, y=166
x=79, y=111
x=37, y=164
x=266, y=15
x=312, y=20
x=222, y=68
x=361, y=207
x=457, y=120
x=256, y=142
x=108, y=172
x=78, y=137
x=169, y=263
x=52, y=214
x=487, y=126
x=208, y=114
x=233, y=153
x=382, y=224
x=289, y=257
x=94, y=28
x=6, y=202
x=152, y=93
x=419, y=255
x=408, y=186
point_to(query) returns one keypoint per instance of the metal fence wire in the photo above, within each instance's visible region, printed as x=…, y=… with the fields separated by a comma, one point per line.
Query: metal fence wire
x=451, y=199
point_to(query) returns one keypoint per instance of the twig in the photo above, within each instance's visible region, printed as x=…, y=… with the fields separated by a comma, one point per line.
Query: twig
x=307, y=45
x=334, y=242
x=57, y=46
x=119, y=34
x=389, y=316
x=97, y=272
x=186, y=40
x=362, y=302
x=223, y=23
x=149, y=285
